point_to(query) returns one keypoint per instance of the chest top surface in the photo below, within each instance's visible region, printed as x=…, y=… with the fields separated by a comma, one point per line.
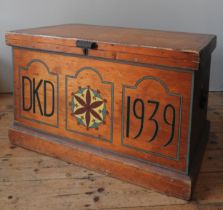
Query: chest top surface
x=113, y=42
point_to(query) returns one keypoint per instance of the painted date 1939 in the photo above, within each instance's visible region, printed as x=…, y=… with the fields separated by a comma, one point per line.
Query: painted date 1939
x=168, y=117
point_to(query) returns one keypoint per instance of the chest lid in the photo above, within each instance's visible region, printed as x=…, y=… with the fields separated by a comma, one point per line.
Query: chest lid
x=171, y=49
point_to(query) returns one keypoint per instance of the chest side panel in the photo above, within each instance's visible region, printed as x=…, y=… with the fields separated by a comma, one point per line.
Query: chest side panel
x=137, y=111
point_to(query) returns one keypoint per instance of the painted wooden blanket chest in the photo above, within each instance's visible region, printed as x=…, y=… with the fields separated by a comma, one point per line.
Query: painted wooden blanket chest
x=130, y=103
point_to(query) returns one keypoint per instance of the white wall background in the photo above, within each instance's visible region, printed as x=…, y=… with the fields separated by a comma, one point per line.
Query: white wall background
x=203, y=16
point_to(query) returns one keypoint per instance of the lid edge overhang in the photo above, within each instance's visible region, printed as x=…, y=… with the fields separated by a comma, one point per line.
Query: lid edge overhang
x=192, y=57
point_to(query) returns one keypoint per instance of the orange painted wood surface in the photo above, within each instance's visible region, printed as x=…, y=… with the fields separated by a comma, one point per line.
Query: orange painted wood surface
x=164, y=48
x=29, y=180
x=116, y=83
x=120, y=104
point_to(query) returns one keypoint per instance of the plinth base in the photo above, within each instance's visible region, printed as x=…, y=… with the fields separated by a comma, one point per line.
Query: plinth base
x=106, y=162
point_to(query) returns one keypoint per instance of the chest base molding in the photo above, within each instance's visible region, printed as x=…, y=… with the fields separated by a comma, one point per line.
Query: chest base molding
x=117, y=166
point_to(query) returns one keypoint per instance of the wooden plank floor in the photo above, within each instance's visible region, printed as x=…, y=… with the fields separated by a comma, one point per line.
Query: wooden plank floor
x=31, y=181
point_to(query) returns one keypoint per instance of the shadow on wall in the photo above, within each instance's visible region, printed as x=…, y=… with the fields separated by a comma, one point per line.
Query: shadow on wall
x=5, y=81
x=216, y=79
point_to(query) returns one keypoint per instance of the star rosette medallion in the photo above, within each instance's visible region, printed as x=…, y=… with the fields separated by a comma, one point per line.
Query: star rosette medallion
x=88, y=107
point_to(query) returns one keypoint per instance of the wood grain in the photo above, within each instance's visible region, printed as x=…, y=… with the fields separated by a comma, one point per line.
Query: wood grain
x=86, y=94
x=137, y=45
x=32, y=181
x=109, y=78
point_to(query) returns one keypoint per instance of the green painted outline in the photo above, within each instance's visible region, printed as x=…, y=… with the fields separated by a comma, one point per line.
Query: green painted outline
x=21, y=68
x=74, y=141
x=180, y=116
x=165, y=68
x=87, y=68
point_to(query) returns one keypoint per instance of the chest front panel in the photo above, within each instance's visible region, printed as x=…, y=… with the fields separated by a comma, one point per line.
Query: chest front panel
x=137, y=111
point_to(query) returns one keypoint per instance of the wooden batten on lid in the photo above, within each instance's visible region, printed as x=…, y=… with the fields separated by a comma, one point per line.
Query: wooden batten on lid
x=171, y=49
